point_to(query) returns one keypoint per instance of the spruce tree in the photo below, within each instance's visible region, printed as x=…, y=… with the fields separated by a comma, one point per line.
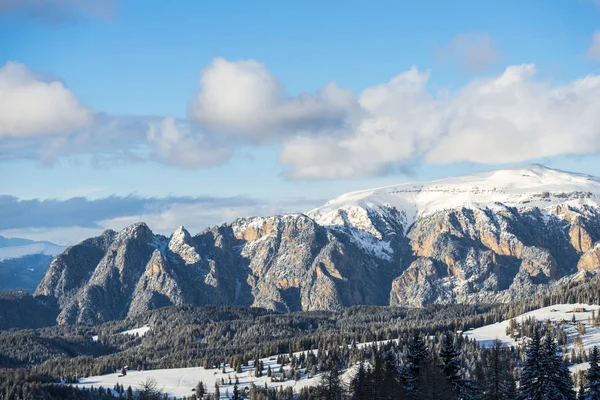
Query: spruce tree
x=555, y=377
x=581, y=392
x=360, y=384
x=417, y=356
x=391, y=386
x=330, y=387
x=236, y=393
x=200, y=389
x=450, y=357
x=593, y=375
x=499, y=380
x=531, y=384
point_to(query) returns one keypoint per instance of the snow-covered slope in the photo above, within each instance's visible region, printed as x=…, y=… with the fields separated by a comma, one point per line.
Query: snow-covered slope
x=137, y=331
x=17, y=248
x=529, y=186
x=558, y=313
x=179, y=382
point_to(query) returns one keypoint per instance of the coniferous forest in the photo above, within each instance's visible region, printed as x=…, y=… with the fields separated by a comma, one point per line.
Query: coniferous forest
x=421, y=353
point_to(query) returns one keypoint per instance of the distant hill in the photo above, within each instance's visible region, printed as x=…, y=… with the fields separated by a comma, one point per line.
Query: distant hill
x=24, y=262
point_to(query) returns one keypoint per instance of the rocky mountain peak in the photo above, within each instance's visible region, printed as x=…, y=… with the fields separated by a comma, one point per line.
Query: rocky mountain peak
x=181, y=244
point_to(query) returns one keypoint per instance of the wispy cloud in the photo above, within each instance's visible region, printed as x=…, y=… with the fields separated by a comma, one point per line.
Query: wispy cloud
x=82, y=212
x=57, y=12
x=472, y=52
x=594, y=50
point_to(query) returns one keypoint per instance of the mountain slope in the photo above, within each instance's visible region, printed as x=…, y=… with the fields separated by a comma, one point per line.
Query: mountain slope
x=484, y=237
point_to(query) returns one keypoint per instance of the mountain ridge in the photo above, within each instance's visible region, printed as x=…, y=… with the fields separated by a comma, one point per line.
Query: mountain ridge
x=487, y=236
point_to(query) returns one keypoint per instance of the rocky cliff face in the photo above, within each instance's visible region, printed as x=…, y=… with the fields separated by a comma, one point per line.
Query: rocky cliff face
x=482, y=238
x=285, y=263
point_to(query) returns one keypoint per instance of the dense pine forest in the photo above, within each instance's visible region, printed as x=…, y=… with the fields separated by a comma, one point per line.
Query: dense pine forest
x=421, y=354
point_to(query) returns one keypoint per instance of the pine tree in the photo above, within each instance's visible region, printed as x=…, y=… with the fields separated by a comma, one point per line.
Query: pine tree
x=330, y=387
x=360, y=384
x=236, y=393
x=450, y=357
x=530, y=388
x=200, y=389
x=558, y=374
x=593, y=375
x=499, y=380
x=581, y=392
x=417, y=356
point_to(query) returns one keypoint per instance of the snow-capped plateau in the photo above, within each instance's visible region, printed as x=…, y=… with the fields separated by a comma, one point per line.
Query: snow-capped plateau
x=523, y=187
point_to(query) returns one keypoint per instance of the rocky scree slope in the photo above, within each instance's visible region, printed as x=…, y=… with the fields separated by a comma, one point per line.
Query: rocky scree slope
x=480, y=238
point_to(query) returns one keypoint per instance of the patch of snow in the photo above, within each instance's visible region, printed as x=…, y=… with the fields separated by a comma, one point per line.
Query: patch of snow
x=579, y=367
x=137, y=331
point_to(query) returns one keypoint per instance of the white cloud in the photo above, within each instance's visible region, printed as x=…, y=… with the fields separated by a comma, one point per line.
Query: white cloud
x=514, y=118
x=509, y=118
x=399, y=119
x=473, y=52
x=30, y=106
x=244, y=98
x=334, y=133
x=180, y=146
x=594, y=50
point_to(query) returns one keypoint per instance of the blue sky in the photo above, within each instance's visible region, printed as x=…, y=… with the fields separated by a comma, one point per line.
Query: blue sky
x=235, y=100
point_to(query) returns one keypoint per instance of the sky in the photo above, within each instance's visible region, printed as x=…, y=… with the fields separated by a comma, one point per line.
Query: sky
x=195, y=113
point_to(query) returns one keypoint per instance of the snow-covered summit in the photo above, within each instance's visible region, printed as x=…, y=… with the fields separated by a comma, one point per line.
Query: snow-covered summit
x=529, y=186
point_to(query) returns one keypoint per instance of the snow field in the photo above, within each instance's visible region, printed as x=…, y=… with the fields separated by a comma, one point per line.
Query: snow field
x=178, y=382
x=558, y=313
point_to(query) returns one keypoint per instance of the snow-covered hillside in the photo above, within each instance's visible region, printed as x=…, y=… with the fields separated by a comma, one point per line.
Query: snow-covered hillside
x=179, y=382
x=558, y=314
x=529, y=186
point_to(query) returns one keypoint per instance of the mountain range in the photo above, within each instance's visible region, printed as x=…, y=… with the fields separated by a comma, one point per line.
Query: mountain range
x=24, y=262
x=486, y=237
